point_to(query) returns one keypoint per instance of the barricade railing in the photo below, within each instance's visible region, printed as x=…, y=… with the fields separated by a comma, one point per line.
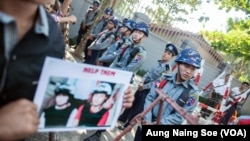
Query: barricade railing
x=192, y=120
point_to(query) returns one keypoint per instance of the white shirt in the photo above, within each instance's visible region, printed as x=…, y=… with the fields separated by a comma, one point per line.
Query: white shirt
x=237, y=94
x=220, y=86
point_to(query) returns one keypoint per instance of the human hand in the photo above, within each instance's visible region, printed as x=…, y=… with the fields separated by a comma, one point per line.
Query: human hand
x=89, y=52
x=128, y=98
x=91, y=37
x=99, y=63
x=73, y=19
x=140, y=87
x=147, y=123
x=83, y=26
x=18, y=120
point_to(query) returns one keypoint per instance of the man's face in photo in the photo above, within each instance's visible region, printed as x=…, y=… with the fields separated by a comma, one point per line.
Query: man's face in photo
x=61, y=99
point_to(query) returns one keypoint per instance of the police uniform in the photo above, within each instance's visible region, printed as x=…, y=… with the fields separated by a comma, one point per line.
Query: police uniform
x=88, y=21
x=100, y=26
x=185, y=92
x=148, y=80
x=173, y=90
x=89, y=17
x=123, y=60
x=101, y=43
x=114, y=50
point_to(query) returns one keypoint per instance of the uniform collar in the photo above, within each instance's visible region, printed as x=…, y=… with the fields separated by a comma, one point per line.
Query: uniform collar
x=164, y=63
x=172, y=77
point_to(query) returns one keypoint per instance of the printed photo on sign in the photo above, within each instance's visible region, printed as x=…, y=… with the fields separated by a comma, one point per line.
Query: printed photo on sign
x=79, y=100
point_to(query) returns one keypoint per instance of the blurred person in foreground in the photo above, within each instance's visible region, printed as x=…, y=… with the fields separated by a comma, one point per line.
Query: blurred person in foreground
x=28, y=35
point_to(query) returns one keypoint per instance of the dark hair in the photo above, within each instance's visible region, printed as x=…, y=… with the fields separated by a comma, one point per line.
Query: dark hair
x=245, y=83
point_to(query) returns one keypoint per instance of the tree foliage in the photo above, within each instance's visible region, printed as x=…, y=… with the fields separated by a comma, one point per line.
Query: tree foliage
x=235, y=43
x=239, y=5
x=160, y=11
x=168, y=12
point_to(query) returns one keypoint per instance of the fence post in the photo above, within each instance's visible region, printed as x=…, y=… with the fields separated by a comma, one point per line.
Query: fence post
x=53, y=136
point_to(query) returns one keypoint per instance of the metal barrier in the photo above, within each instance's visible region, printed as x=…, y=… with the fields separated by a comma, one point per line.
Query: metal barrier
x=193, y=120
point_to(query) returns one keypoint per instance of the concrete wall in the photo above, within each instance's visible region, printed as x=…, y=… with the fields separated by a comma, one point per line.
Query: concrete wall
x=154, y=45
x=79, y=9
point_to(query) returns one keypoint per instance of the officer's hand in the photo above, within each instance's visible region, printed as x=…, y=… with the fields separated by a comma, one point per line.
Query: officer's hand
x=73, y=19
x=128, y=98
x=91, y=37
x=18, y=120
x=83, y=26
x=89, y=52
x=99, y=63
x=140, y=87
x=146, y=123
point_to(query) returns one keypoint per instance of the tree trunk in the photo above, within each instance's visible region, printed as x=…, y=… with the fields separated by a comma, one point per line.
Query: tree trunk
x=82, y=44
x=65, y=26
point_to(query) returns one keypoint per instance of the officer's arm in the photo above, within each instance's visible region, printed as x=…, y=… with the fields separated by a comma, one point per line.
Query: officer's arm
x=111, y=54
x=83, y=20
x=94, y=32
x=148, y=85
x=105, y=44
x=105, y=53
x=89, y=23
x=116, y=51
x=93, y=19
x=136, y=62
x=152, y=95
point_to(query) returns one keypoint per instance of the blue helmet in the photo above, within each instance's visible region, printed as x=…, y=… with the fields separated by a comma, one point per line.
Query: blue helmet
x=130, y=24
x=96, y=2
x=124, y=20
x=115, y=22
x=172, y=48
x=120, y=24
x=142, y=27
x=109, y=11
x=190, y=56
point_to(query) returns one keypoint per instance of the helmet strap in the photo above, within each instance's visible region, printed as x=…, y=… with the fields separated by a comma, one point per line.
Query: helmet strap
x=138, y=41
x=178, y=75
x=124, y=33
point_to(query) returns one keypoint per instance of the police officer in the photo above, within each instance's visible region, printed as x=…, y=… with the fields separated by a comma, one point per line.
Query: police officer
x=88, y=20
x=132, y=57
x=98, y=28
x=180, y=87
x=162, y=66
x=102, y=42
x=115, y=49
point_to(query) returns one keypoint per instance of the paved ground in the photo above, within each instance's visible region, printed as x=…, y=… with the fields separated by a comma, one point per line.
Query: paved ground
x=79, y=135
